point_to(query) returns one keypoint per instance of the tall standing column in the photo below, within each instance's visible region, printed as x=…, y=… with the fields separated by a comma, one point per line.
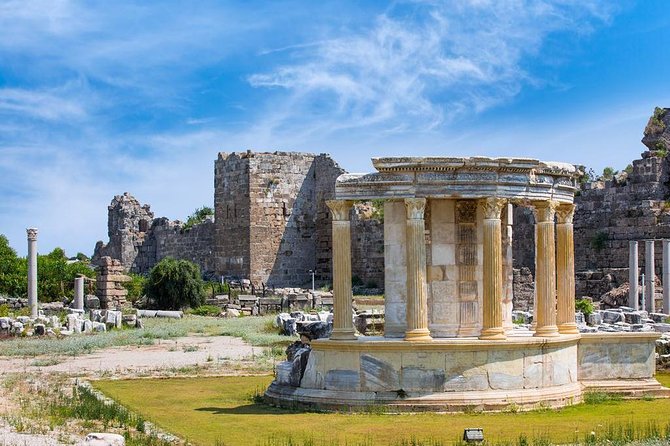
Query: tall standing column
x=650, y=275
x=417, y=303
x=32, y=271
x=508, y=268
x=666, y=276
x=79, y=293
x=492, y=298
x=343, y=326
x=633, y=279
x=545, y=270
x=565, y=269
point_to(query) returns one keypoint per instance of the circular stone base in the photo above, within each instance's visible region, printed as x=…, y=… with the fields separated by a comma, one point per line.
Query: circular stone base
x=488, y=400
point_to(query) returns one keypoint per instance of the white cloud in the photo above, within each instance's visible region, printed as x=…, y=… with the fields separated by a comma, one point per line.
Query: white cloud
x=423, y=63
x=50, y=105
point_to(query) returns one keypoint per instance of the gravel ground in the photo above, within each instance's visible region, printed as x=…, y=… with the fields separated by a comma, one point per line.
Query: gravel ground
x=133, y=360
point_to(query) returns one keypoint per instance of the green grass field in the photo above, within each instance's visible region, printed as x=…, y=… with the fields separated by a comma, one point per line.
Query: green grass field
x=221, y=411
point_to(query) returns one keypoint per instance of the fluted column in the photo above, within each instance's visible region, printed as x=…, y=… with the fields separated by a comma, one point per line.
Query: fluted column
x=492, y=303
x=565, y=269
x=545, y=269
x=417, y=304
x=343, y=327
x=32, y=271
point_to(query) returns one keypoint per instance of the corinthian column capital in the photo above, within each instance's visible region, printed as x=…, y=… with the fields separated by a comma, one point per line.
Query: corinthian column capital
x=565, y=213
x=544, y=211
x=339, y=209
x=32, y=234
x=415, y=208
x=492, y=207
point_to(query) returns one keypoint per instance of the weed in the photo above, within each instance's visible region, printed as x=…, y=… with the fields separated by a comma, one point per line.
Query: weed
x=190, y=348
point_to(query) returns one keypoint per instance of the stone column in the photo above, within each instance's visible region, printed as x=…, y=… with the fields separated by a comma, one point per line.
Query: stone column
x=565, y=269
x=545, y=269
x=650, y=275
x=343, y=326
x=633, y=279
x=32, y=271
x=417, y=303
x=79, y=293
x=492, y=270
x=508, y=269
x=666, y=276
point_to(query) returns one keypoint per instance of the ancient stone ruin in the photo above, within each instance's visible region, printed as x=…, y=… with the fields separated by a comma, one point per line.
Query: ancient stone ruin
x=110, y=282
x=448, y=342
x=271, y=224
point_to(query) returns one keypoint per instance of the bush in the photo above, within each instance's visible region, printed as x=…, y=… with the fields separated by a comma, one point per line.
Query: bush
x=135, y=287
x=585, y=306
x=206, y=310
x=198, y=216
x=175, y=284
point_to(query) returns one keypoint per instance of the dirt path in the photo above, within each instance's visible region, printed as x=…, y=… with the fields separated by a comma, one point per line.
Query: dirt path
x=137, y=360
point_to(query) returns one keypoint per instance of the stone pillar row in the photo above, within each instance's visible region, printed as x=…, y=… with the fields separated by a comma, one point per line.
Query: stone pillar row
x=554, y=270
x=649, y=286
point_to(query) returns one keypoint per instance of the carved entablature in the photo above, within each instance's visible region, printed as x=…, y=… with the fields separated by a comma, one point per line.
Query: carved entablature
x=467, y=178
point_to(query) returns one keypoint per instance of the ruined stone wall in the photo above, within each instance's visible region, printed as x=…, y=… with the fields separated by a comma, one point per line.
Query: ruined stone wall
x=232, y=212
x=127, y=224
x=283, y=215
x=271, y=225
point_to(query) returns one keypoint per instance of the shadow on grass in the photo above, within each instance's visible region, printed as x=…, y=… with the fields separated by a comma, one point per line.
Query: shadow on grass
x=248, y=409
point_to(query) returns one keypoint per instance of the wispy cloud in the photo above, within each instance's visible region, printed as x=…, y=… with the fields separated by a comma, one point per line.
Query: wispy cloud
x=421, y=64
x=49, y=105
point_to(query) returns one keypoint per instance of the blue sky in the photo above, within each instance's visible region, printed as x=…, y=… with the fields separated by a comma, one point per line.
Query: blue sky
x=100, y=98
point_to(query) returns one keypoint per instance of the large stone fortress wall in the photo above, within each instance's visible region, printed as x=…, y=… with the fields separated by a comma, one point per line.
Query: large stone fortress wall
x=271, y=217
x=271, y=224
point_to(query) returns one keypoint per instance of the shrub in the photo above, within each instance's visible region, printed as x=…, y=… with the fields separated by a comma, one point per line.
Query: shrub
x=135, y=287
x=175, y=284
x=198, y=216
x=206, y=310
x=585, y=306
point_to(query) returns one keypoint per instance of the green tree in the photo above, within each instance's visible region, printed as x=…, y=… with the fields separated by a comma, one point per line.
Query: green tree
x=198, y=216
x=608, y=173
x=55, y=274
x=135, y=287
x=13, y=270
x=175, y=284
